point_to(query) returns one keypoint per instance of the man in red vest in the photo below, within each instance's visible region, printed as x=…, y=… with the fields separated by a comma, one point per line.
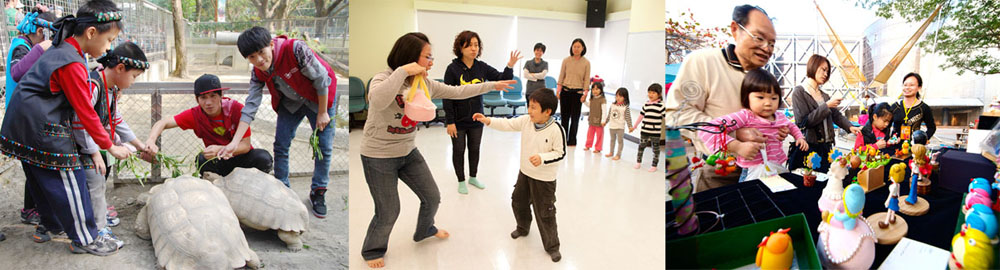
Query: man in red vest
x=214, y=120
x=301, y=85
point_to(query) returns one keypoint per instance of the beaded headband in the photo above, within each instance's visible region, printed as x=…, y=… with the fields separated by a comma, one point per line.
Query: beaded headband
x=108, y=16
x=133, y=62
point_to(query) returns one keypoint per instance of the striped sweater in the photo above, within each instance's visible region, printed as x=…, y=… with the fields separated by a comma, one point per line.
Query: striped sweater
x=652, y=117
x=547, y=141
x=747, y=118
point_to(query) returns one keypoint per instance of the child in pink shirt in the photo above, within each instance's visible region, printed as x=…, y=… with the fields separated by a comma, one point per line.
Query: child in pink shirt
x=760, y=96
x=874, y=132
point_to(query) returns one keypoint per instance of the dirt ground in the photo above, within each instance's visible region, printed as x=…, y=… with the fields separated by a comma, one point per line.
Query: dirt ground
x=326, y=240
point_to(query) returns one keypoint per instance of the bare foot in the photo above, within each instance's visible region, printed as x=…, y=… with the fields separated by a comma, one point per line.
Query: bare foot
x=617, y=158
x=442, y=234
x=376, y=263
x=608, y=155
x=597, y=151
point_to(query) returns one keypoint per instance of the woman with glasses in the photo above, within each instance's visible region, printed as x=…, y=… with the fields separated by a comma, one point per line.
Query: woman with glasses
x=464, y=132
x=388, y=151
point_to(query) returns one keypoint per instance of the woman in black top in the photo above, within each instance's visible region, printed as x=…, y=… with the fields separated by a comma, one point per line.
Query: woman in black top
x=815, y=114
x=910, y=112
x=466, y=69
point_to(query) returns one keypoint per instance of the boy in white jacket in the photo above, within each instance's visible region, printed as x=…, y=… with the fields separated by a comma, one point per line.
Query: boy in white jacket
x=543, y=147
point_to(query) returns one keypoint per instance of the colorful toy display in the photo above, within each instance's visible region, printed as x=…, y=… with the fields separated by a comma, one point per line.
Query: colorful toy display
x=846, y=241
x=813, y=162
x=971, y=249
x=775, y=251
x=833, y=192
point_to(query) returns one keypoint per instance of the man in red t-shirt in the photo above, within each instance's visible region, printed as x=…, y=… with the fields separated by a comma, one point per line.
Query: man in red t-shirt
x=214, y=120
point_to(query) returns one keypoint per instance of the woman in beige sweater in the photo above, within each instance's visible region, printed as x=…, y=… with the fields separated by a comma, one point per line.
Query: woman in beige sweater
x=574, y=77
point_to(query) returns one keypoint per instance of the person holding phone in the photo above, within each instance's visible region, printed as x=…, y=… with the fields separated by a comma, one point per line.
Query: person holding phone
x=816, y=113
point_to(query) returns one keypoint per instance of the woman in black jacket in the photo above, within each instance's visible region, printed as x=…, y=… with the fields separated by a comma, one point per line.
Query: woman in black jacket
x=467, y=69
x=910, y=112
x=815, y=114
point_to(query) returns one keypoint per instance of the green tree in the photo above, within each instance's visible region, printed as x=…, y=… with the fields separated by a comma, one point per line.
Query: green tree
x=969, y=37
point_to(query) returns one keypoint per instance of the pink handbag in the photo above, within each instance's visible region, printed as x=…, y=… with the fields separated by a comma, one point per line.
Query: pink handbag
x=418, y=105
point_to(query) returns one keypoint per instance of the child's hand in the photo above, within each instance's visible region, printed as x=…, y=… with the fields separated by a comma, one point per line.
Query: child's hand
x=583, y=98
x=880, y=143
x=803, y=145
x=119, y=152
x=631, y=130
x=481, y=118
x=535, y=160
x=99, y=164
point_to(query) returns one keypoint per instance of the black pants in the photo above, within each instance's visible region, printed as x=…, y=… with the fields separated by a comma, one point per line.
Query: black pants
x=256, y=158
x=569, y=101
x=29, y=202
x=542, y=195
x=796, y=157
x=470, y=137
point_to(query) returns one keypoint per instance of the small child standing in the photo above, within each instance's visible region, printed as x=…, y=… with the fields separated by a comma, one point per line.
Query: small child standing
x=120, y=67
x=874, y=132
x=543, y=146
x=598, y=108
x=652, y=121
x=760, y=96
x=616, y=119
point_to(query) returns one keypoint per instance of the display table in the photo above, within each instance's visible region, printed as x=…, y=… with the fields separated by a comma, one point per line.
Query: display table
x=961, y=166
x=935, y=228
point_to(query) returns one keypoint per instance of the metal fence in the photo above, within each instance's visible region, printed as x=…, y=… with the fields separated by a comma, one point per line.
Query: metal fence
x=332, y=32
x=144, y=103
x=146, y=24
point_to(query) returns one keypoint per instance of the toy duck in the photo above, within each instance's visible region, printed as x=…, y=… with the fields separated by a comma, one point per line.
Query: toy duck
x=981, y=218
x=775, y=251
x=971, y=249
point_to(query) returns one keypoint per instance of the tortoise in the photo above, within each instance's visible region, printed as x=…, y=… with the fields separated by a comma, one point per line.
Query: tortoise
x=192, y=226
x=262, y=202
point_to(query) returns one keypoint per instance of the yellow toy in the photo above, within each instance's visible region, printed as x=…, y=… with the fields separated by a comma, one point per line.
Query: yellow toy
x=775, y=251
x=970, y=249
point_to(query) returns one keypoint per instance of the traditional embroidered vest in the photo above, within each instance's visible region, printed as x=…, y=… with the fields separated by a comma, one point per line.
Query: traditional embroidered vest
x=37, y=124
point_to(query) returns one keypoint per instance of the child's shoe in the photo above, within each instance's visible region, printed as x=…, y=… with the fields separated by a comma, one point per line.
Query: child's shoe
x=616, y=158
x=462, y=189
x=111, y=211
x=30, y=216
x=106, y=233
x=102, y=246
x=41, y=235
x=637, y=165
x=609, y=154
x=652, y=169
x=586, y=149
x=556, y=256
x=597, y=151
x=113, y=221
x=475, y=182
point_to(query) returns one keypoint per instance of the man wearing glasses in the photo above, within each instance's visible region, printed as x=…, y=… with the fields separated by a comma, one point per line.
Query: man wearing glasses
x=708, y=86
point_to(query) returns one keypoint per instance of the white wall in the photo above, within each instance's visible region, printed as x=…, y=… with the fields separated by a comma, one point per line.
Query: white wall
x=442, y=27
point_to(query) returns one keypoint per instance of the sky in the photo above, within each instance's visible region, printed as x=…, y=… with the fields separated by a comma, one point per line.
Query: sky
x=798, y=16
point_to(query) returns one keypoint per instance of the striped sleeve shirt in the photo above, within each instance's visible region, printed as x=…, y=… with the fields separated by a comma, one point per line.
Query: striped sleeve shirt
x=652, y=117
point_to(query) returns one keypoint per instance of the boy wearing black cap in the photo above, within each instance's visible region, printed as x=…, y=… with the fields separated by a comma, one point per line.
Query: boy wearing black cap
x=214, y=120
x=301, y=85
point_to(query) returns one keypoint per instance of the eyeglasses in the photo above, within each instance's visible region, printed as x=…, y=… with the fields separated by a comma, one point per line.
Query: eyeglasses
x=759, y=40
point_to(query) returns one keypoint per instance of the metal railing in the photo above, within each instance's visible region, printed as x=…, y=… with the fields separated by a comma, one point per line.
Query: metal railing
x=146, y=24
